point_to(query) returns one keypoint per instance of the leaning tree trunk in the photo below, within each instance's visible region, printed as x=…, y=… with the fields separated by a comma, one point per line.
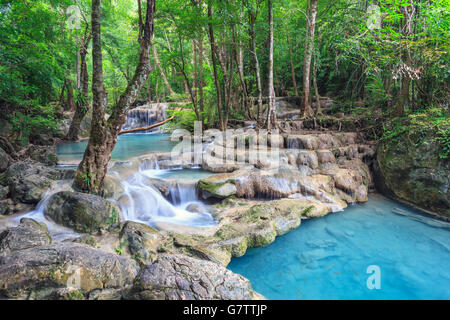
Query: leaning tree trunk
x=309, y=47
x=161, y=70
x=103, y=137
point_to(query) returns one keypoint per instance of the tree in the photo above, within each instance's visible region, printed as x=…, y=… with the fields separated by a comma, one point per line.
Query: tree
x=103, y=135
x=82, y=101
x=309, y=47
x=271, y=116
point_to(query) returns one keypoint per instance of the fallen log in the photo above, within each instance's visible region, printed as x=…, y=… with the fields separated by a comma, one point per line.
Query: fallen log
x=146, y=128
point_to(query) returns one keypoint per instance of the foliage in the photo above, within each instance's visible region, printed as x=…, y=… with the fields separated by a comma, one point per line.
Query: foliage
x=360, y=67
x=433, y=122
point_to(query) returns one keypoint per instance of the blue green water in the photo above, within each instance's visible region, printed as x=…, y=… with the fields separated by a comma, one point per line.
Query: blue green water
x=327, y=258
x=128, y=146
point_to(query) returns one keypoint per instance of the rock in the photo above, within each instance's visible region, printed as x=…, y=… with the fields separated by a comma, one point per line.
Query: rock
x=82, y=212
x=112, y=187
x=40, y=272
x=196, y=208
x=4, y=160
x=4, y=206
x=142, y=241
x=325, y=156
x=177, y=277
x=28, y=234
x=29, y=180
x=257, y=224
x=4, y=191
x=411, y=170
x=218, y=186
x=43, y=154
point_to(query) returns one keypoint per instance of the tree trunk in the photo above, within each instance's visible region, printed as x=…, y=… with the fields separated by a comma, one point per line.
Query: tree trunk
x=257, y=68
x=200, y=75
x=294, y=82
x=214, y=63
x=62, y=103
x=163, y=75
x=78, y=70
x=271, y=116
x=70, y=104
x=103, y=137
x=82, y=104
x=309, y=47
x=408, y=14
x=239, y=57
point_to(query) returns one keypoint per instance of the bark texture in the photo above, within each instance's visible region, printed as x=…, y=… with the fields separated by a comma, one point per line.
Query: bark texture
x=103, y=137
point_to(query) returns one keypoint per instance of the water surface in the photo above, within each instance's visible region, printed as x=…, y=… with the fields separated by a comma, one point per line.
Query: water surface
x=328, y=257
x=128, y=146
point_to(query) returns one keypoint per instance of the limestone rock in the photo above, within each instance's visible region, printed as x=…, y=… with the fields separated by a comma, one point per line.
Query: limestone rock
x=142, y=241
x=82, y=212
x=4, y=160
x=38, y=273
x=177, y=277
x=29, y=180
x=28, y=234
x=4, y=191
x=414, y=172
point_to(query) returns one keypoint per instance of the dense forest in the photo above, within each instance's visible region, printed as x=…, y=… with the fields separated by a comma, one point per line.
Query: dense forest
x=222, y=57
x=306, y=108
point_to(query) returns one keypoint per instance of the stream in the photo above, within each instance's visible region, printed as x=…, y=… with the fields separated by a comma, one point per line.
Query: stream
x=326, y=258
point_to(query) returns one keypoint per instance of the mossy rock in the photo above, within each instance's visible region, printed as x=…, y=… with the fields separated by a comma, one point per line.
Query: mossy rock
x=84, y=213
x=413, y=172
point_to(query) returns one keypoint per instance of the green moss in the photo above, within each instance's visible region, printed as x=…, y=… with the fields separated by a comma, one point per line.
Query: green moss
x=75, y=295
x=307, y=210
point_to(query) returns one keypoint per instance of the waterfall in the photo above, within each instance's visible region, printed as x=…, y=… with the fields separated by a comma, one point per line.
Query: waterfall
x=57, y=232
x=143, y=202
x=145, y=115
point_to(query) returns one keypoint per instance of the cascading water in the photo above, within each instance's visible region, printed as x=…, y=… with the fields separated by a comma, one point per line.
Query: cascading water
x=58, y=232
x=142, y=202
x=145, y=116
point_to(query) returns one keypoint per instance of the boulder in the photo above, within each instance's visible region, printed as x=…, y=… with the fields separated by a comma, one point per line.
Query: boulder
x=4, y=206
x=28, y=234
x=142, y=241
x=4, y=191
x=411, y=170
x=41, y=272
x=4, y=160
x=82, y=212
x=257, y=224
x=177, y=277
x=29, y=180
x=219, y=186
x=43, y=154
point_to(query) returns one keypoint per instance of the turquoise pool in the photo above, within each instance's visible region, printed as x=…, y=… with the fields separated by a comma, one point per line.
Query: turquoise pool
x=328, y=258
x=128, y=146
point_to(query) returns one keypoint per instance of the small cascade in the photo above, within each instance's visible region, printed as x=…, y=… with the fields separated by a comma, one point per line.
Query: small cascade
x=145, y=116
x=142, y=202
x=182, y=194
x=57, y=232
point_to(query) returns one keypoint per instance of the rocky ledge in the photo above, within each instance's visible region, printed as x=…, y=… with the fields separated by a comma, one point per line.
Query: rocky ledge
x=314, y=176
x=411, y=170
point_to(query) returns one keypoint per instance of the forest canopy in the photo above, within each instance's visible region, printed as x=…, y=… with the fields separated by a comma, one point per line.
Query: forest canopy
x=388, y=58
